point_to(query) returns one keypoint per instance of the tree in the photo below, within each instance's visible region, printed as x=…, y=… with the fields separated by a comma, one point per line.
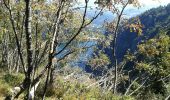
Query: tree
x=48, y=32
x=151, y=61
x=35, y=11
x=113, y=29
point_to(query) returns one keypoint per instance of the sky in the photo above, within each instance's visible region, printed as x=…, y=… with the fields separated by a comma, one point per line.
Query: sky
x=130, y=11
x=151, y=3
x=145, y=4
x=154, y=3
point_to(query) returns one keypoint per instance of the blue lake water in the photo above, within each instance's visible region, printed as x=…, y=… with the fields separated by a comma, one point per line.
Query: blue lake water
x=82, y=57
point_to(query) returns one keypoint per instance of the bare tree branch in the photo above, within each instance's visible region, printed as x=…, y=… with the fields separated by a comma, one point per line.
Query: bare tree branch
x=83, y=25
x=114, y=45
x=138, y=87
x=127, y=90
x=16, y=37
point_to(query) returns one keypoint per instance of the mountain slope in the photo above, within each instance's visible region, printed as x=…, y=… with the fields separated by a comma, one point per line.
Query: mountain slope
x=153, y=20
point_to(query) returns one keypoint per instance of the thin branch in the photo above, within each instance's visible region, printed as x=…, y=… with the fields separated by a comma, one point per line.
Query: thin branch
x=43, y=53
x=16, y=37
x=83, y=25
x=65, y=56
x=127, y=90
x=138, y=87
x=53, y=46
x=114, y=45
x=168, y=97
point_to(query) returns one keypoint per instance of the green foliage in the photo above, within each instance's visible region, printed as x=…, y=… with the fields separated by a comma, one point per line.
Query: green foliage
x=155, y=51
x=148, y=95
x=67, y=90
x=153, y=61
x=156, y=19
x=99, y=60
x=7, y=81
x=4, y=88
x=13, y=79
x=156, y=56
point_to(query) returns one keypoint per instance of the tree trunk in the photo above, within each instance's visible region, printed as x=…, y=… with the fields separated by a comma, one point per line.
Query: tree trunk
x=28, y=44
x=114, y=47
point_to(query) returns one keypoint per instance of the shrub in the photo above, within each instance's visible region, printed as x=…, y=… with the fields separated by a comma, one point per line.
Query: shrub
x=7, y=81
x=13, y=79
x=66, y=90
x=4, y=88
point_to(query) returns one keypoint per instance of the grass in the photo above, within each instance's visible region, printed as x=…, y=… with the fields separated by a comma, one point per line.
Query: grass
x=69, y=90
x=7, y=82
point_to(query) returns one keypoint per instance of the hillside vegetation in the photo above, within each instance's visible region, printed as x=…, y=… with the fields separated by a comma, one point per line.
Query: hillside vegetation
x=51, y=50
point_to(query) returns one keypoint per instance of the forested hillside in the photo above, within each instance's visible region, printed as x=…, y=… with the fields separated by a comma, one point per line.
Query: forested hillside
x=46, y=47
x=153, y=21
